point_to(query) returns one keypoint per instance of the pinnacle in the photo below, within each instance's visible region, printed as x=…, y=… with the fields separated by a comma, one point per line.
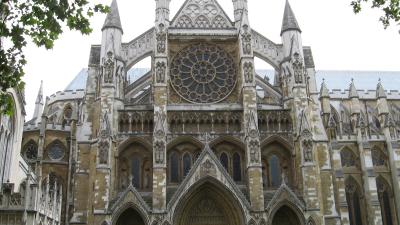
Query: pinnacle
x=380, y=91
x=324, y=90
x=352, y=90
x=113, y=19
x=289, y=20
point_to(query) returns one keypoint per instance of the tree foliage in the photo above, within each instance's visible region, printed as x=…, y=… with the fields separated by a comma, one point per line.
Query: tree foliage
x=390, y=8
x=39, y=21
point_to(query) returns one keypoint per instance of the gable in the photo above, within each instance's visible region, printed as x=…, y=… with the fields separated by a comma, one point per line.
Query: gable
x=201, y=14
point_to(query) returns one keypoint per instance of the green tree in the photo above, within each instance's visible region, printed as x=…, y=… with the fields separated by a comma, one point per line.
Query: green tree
x=39, y=21
x=390, y=8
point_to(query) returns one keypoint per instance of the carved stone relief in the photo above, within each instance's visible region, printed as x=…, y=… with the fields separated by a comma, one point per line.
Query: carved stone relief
x=246, y=40
x=160, y=72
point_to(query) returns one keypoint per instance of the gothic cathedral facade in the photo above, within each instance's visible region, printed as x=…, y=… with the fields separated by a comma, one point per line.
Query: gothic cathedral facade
x=193, y=142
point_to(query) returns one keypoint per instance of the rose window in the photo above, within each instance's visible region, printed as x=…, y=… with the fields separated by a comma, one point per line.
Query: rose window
x=203, y=73
x=56, y=151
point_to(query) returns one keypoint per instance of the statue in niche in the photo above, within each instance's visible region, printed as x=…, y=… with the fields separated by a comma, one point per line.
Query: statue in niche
x=248, y=72
x=307, y=150
x=253, y=147
x=159, y=152
x=160, y=72
x=124, y=175
x=103, y=152
x=298, y=68
x=147, y=177
x=161, y=39
x=108, y=67
x=246, y=39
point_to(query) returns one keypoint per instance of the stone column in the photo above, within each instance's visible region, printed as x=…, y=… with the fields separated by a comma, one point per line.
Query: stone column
x=340, y=186
x=374, y=216
x=160, y=78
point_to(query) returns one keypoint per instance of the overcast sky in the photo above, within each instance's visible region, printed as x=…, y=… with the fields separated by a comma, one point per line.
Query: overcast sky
x=339, y=39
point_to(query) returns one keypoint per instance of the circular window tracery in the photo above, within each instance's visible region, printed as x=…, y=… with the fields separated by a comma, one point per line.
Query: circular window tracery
x=56, y=151
x=31, y=151
x=203, y=73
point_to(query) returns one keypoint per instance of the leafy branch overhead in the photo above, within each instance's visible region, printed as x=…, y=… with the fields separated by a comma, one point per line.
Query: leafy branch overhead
x=390, y=8
x=39, y=21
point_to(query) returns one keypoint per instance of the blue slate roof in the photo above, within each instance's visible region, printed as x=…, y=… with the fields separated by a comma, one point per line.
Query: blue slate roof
x=335, y=79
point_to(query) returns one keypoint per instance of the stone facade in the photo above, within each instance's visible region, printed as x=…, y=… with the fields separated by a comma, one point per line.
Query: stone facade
x=194, y=142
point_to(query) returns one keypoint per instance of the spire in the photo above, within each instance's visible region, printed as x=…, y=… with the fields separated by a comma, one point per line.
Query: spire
x=380, y=91
x=352, y=90
x=324, y=93
x=113, y=20
x=289, y=20
x=39, y=103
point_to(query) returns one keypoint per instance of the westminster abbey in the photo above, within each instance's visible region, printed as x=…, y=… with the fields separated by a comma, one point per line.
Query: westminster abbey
x=202, y=138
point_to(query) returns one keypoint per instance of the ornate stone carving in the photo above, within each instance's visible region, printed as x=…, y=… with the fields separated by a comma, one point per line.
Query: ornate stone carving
x=203, y=14
x=298, y=68
x=246, y=40
x=160, y=72
x=159, y=148
x=248, y=72
x=252, y=128
x=159, y=131
x=208, y=168
x=108, y=68
x=161, y=38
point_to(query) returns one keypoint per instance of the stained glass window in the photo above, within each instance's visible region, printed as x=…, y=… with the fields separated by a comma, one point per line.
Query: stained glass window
x=187, y=164
x=136, y=172
x=224, y=160
x=275, y=171
x=237, y=167
x=56, y=151
x=174, y=161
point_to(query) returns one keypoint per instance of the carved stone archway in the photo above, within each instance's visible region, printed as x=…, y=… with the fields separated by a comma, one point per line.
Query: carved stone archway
x=130, y=217
x=286, y=216
x=208, y=204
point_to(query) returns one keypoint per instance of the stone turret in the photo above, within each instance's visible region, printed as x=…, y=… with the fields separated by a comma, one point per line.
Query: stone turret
x=112, y=32
x=293, y=66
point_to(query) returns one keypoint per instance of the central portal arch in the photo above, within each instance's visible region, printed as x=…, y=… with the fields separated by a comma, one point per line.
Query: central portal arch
x=209, y=204
x=130, y=217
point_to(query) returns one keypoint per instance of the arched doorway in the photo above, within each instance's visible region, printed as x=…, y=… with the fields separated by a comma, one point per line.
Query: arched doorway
x=130, y=217
x=286, y=216
x=209, y=204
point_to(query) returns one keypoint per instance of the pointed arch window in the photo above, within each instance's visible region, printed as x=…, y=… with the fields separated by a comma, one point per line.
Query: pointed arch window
x=348, y=158
x=187, y=164
x=379, y=158
x=386, y=201
x=174, y=167
x=237, y=167
x=275, y=171
x=224, y=160
x=135, y=172
x=353, y=202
